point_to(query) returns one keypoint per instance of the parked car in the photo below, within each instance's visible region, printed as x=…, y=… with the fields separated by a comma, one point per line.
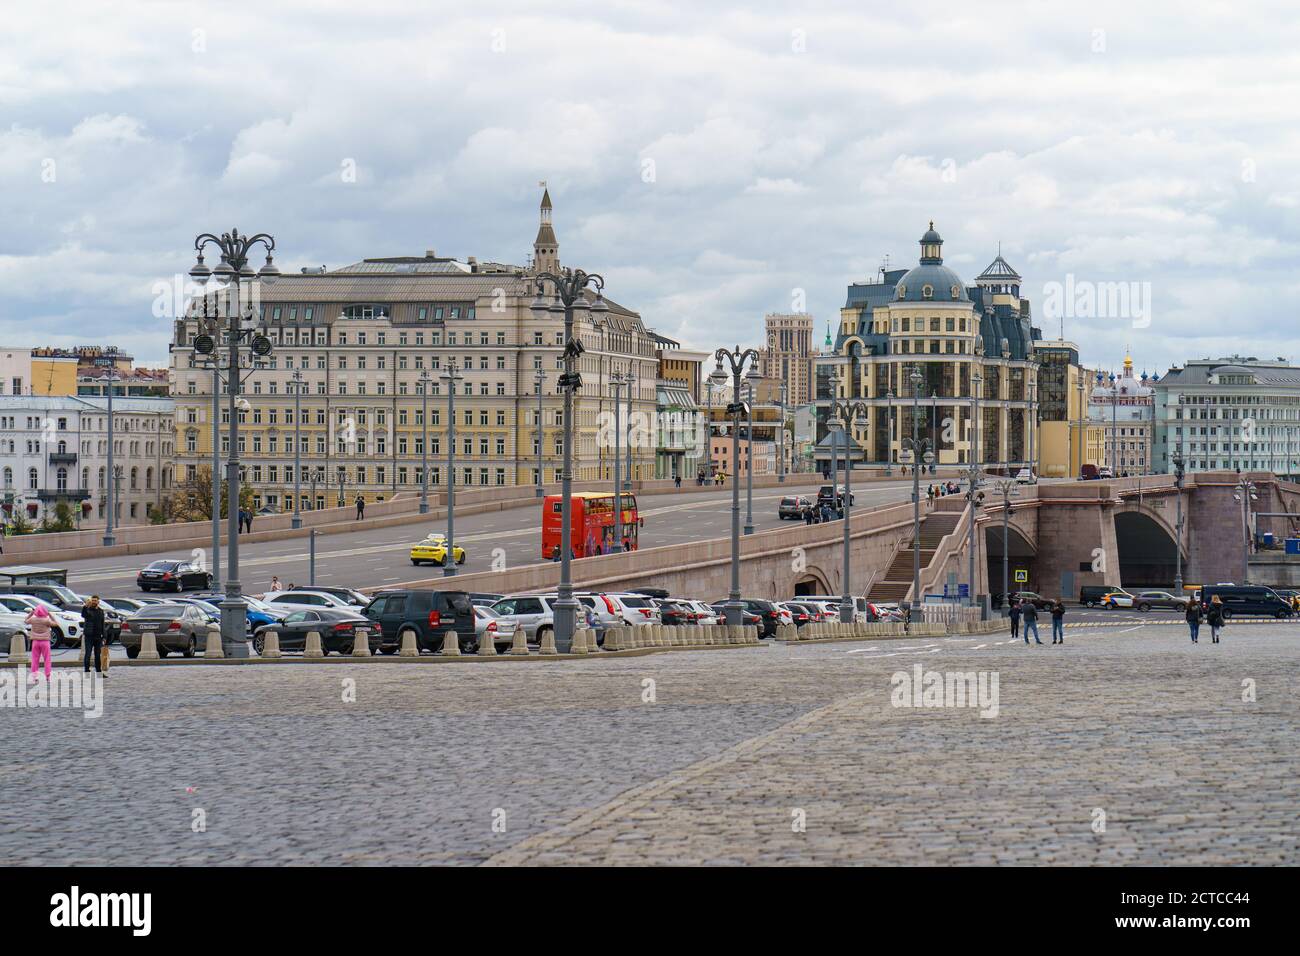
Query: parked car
x=799, y=615
x=304, y=598
x=1026, y=477
x=636, y=608
x=175, y=576
x=704, y=614
x=433, y=550
x=1117, y=600
x=126, y=606
x=767, y=613
x=428, y=614
x=861, y=606
x=66, y=628
x=833, y=495
x=1146, y=600
x=675, y=613
x=748, y=617
x=175, y=627
x=336, y=626
x=64, y=598
x=350, y=596
x=1088, y=473
x=535, y=612
x=1105, y=472
x=484, y=598
x=1246, y=600
x=792, y=506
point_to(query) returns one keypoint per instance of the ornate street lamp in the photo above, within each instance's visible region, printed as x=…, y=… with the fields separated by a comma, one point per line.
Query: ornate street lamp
x=539, y=379
x=749, y=458
x=451, y=376
x=921, y=457
x=1008, y=490
x=233, y=269
x=629, y=379
x=889, y=432
x=297, y=448
x=618, y=380
x=109, y=539
x=1179, y=474
x=974, y=477
x=780, y=432
x=424, y=380
x=846, y=415
x=569, y=287
x=1245, y=492
x=737, y=360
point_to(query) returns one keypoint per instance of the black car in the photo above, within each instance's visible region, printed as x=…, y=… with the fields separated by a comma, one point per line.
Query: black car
x=675, y=613
x=833, y=495
x=765, y=611
x=793, y=506
x=748, y=618
x=337, y=629
x=1246, y=599
x=173, y=576
x=1090, y=595
x=428, y=614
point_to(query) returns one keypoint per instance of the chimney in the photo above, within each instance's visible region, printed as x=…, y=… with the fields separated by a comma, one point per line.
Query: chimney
x=428, y=254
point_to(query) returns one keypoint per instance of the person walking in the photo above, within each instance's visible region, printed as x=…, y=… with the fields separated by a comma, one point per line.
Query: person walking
x=1014, y=614
x=1215, y=618
x=1194, y=619
x=92, y=634
x=361, y=507
x=40, y=622
x=1058, y=622
x=248, y=518
x=677, y=481
x=1029, y=613
x=807, y=514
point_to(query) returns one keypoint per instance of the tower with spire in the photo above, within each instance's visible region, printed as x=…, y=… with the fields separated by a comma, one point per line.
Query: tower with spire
x=546, y=249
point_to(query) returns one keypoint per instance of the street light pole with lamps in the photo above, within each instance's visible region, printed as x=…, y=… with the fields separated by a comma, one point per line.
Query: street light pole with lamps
x=749, y=458
x=1245, y=493
x=629, y=379
x=1008, y=490
x=233, y=268
x=110, y=491
x=618, y=380
x=424, y=380
x=974, y=476
x=451, y=376
x=846, y=415
x=539, y=379
x=780, y=434
x=736, y=359
x=569, y=292
x=297, y=448
x=1179, y=474
x=921, y=457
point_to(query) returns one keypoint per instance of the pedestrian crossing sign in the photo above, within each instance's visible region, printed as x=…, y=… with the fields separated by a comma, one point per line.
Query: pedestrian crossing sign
x=1022, y=577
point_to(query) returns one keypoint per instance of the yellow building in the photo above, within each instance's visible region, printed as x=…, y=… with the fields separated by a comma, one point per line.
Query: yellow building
x=1061, y=407
x=54, y=372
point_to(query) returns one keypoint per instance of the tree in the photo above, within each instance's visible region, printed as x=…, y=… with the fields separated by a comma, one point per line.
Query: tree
x=63, y=520
x=191, y=498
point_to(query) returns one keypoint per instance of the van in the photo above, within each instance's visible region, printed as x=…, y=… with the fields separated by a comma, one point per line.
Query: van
x=1090, y=595
x=428, y=614
x=1246, y=599
x=1088, y=473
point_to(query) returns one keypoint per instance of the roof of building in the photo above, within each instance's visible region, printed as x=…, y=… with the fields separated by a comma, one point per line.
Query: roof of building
x=73, y=403
x=1199, y=372
x=999, y=269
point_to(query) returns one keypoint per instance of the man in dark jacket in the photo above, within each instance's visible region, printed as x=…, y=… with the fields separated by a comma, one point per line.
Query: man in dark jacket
x=92, y=633
x=1058, y=621
x=361, y=507
x=1194, y=619
x=1029, y=614
x=1014, y=614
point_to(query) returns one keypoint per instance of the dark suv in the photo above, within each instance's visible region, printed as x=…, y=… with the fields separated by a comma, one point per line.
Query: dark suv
x=768, y=616
x=793, y=506
x=1242, y=599
x=429, y=614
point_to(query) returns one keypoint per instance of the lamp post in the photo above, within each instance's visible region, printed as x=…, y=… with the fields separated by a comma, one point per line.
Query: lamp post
x=750, y=397
x=934, y=429
x=921, y=456
x=1245, y=493
x=424, y=380
x=233, y=268
x=846, y=415
x=1179, y=473
x=539, y=379
x=297, y=448
x=212, y=361
x=451, y=376
x=569, y=286
x=708, y=428
x=736, y=359
x=780, y=433
x=629, y=379
x=1033, y=418
x=109, y=539
x=618, y=380
x=973, y=495
x=1114, y=429
x=1008, y=490
x=889, y=432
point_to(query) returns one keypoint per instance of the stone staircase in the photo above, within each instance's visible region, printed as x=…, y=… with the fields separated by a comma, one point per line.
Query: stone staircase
x=894, y=584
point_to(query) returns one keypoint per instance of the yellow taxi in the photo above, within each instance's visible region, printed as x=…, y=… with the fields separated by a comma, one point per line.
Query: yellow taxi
x=433, y=550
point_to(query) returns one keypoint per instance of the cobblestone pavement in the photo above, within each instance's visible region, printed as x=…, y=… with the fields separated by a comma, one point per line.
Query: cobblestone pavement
x=1139, y=724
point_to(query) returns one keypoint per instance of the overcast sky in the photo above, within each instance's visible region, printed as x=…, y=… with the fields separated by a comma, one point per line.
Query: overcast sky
x=712, y=162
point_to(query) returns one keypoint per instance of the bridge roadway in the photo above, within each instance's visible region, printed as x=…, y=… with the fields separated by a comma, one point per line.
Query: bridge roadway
x=379, y=557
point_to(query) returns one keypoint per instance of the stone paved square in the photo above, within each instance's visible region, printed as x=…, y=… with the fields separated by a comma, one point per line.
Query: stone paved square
x=1136, y=723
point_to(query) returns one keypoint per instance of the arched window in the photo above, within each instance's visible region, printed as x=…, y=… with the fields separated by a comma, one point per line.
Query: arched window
x=135, y=478
x=32, y=479
x=927, y=292
x=61, y=479
x=148, y=479
x=9, y=477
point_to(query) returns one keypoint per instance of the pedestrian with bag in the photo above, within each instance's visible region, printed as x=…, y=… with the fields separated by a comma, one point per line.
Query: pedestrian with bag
x=93, y=637
x=41, y=624
x=1194, y=619
x=361, y=507
x=1058, y=622
x=1215, y=618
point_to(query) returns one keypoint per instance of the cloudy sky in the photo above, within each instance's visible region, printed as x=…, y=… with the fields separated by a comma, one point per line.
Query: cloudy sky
x=713, y=162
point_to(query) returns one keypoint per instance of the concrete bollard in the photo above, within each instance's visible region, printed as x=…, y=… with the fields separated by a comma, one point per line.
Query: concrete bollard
x=271, y=645
x=212, y=644
x=487, y=645
x=612, y=637
x=450, y=644
x=148, y=647
x=313, y=648
x=548, y=642
x=707, y=634
x=519, y=643
x=361, y=643
x=412, y=649
x=736, y=634
x=18, y=650
x=579, y=643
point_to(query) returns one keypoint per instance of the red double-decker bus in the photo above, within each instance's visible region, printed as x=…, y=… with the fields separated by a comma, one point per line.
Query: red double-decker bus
x=592, y=526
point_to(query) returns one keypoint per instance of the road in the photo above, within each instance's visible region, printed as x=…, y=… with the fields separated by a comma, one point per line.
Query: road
x=379, y=557
x=1128, y=745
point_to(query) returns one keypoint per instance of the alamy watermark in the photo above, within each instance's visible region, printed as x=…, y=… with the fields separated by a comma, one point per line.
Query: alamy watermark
x=922, y=688
x=1084, y=299
x=64, y=689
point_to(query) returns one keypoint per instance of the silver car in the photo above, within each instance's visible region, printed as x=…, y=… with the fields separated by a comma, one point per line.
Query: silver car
x=535, y=612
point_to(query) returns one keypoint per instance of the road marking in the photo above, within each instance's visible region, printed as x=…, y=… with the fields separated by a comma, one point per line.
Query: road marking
x=979, y=647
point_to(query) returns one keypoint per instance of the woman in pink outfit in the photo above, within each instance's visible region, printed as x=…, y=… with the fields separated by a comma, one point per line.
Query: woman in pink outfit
x=40, y=620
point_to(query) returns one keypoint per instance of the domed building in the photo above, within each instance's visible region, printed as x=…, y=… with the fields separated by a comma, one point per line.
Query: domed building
x=928, y=319
x=1121, y=409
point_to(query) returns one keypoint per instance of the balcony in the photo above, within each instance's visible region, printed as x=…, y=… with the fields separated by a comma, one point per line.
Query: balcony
x=63, y=458
x=65, y=494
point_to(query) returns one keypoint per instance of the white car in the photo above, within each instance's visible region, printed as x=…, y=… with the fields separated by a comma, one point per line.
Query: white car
x=304, y=597
x=66, y=626
x=1117, y=599
x=635, y=608
x=1026, y=477
x=706, y=614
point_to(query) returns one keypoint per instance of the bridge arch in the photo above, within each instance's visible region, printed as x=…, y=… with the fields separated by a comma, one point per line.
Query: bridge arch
x=1146, y=549
x=812, y=581
x=1021, y=553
